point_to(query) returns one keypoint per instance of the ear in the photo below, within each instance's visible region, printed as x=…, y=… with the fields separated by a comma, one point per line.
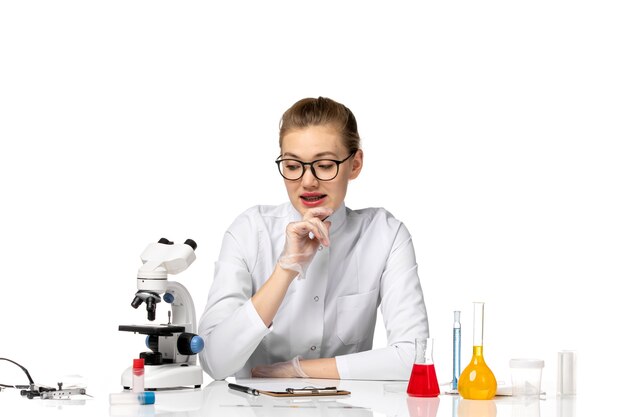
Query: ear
x=357, y=164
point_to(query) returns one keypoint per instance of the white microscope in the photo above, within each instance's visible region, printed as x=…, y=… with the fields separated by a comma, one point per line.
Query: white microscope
x=171, y=361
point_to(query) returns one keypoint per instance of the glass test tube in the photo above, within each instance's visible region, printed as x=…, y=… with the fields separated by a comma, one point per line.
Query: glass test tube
x=456, y=350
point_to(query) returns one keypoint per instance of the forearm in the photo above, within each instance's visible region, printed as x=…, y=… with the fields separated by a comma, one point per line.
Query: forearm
x=269, y=297
x=390, y=363
x=320, y=368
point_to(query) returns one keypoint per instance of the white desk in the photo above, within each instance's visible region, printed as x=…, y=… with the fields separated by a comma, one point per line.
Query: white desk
x=368, y=399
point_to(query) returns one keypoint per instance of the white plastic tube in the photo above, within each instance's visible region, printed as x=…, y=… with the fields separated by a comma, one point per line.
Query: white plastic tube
x=129, y=398
x=138, y=375
x=566, y=373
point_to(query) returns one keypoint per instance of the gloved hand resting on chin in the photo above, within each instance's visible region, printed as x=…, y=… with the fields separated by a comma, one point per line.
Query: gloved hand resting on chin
x=303, y=238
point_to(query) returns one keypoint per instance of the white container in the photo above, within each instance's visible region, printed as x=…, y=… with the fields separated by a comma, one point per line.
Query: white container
x=127, y=398
x=566, y=373
x=138, y=375
x=526, y=377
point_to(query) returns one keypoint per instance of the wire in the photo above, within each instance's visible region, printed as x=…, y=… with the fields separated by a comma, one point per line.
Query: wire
x=14, y=386
x=23, y=369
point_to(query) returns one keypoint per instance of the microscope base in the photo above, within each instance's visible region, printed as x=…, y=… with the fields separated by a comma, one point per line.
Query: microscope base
x=168, y=376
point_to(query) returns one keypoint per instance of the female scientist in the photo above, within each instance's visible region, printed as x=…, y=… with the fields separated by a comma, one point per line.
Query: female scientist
x=297, y=285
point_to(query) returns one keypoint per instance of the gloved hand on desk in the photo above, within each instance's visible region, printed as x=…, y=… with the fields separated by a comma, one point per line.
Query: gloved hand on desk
x=289, y=369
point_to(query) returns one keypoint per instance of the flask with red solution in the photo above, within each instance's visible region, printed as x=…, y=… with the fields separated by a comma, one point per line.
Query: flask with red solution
x=423, y=381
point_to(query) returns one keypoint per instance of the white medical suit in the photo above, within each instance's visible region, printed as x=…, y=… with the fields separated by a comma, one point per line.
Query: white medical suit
x=329, y=313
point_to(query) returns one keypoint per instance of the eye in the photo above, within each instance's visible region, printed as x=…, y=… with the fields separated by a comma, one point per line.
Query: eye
x=325, y=165
x=292, y=165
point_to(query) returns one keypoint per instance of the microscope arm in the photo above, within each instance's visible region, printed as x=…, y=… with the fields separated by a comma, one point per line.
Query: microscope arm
x=183, y=309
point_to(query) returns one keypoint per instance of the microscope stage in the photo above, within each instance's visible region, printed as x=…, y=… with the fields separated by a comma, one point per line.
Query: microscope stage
x=157, y=329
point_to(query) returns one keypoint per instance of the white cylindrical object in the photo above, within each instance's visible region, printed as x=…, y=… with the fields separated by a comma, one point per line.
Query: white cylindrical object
x=566, y=373
x=456, y=350
x=526, y=376
x=479, y=322
x=127, y=398
x=138, y=375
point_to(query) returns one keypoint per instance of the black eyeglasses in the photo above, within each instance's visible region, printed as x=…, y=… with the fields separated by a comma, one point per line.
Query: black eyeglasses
x=322, y=169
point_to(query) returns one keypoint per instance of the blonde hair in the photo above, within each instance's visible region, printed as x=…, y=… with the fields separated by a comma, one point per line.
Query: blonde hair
x=321, y=111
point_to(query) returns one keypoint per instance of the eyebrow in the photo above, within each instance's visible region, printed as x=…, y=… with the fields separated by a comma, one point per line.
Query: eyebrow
x=316, y=156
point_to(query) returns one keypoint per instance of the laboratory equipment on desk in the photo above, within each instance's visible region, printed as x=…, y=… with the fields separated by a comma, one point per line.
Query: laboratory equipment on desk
x=456, y=352
x=423, y=380
x=477, y=382
x=138, y=375
x=171, y=361
x=566, y=373
x=526, y=377
x=132, y=398
x=34, y=390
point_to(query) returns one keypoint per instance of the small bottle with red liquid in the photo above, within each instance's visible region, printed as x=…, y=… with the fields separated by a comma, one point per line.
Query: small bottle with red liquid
x=423, y=381
x=138, y=375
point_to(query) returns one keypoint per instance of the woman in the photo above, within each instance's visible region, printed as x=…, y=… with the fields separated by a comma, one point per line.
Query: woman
x=262, y=321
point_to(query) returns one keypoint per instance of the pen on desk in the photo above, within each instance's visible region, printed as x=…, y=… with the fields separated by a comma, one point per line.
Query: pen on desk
x=241, y=388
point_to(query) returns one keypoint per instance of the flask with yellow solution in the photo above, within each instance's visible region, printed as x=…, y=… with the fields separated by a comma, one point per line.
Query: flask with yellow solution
x=477, y=382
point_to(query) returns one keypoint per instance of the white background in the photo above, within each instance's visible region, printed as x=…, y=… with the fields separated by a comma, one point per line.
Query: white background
x=495, y=131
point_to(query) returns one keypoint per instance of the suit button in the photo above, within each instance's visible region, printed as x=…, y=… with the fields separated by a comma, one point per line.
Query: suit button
x=316, y=298
x=313, y=347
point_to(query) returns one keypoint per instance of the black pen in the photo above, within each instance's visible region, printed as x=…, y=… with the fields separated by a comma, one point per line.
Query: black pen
x=241, y=388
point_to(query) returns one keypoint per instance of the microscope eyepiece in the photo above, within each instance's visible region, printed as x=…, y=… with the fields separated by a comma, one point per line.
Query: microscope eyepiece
x=191, y=243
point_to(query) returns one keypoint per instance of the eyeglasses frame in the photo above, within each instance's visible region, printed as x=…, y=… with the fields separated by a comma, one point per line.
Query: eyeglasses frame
x=304, y=164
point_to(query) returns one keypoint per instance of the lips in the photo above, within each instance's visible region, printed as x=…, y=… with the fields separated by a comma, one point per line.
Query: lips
x=312, y=199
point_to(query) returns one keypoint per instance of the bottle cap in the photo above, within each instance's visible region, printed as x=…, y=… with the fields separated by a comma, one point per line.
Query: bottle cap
x=146, y=397
x=138, y=363
x=526, y=363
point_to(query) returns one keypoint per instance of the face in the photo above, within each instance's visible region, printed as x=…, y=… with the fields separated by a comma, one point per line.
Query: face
x=310, y=144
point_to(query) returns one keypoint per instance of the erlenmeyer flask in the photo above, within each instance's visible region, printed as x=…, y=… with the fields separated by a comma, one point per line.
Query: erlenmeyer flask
x=477, y=382
x=423, y=382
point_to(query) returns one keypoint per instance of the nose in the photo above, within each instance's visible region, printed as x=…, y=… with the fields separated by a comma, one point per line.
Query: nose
x=308, y=179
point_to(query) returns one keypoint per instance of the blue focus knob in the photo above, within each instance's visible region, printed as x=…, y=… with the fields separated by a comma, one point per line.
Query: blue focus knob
x=168, y=298
x=196, y=344
x=189, y=344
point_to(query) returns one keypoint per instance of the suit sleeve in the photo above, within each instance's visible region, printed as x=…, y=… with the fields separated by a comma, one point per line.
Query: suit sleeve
x=230, y=325
x=404, y=314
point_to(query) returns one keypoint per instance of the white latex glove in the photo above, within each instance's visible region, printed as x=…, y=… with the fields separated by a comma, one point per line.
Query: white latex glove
x=303, y=238
x=289, y=369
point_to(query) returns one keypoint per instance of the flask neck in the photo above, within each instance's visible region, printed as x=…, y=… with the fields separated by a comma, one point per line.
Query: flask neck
x=478, y=351
x=424, y=351
x=477, y=355
x=479, y=309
